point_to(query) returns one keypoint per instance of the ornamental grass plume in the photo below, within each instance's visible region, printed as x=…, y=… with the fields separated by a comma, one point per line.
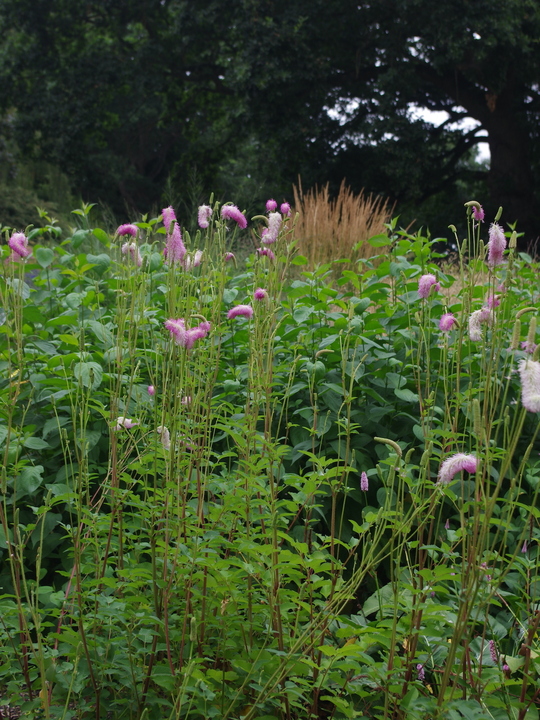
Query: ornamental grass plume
x=272, y=232
x=18, y=242
x=452, y=465
x=175, y=249
x=447, y=322
x=496, y=245
x=240, y=311
x=184, y=336
x=127, y=229
x=529, y=372
x=233, y=213
x=204, y=215
x=131, y=249
x=425, y=284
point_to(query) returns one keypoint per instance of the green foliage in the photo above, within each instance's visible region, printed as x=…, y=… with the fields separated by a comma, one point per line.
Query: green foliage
x=204, y=549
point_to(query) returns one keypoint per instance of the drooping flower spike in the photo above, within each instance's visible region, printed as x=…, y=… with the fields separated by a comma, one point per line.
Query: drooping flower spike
x=18, y=242
x=496, y=245
x=529, y=372
x=131, y=250
x=272, y=231
x=447, y=322
x=425, y=284
x=452, y=465
x=240, y=311
x=205, y=213
x=271, y=205
x=184, y=336
x=233, y=213
x=127, y=229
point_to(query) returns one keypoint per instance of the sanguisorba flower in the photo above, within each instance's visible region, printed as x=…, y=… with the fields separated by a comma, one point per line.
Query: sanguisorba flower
x=18, y=242
x=364, y=482
x=193, y=261
x=240, y=311
x=285, y=208
x=272, y=232
x=271, y=205
x=447, y=322
x=425, y=284
x=151, y=390
x=184, y=336
x=496, y=245
x=175, y=249
x=164, y=436
x=529, y=372
x=124, y=423
x=476, y=320
x=205, y=213
x=229, y=256
x=478, y=213
x=127, y=229
x=260, y=294
x=233, y=213
x=452, y=465
x=131, y=249
x=266, y=251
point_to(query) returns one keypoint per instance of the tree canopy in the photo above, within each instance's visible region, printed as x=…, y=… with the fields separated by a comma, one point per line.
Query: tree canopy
x=125, y=94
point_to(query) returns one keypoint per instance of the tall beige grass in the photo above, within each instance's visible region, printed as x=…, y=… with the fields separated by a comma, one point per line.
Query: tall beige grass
x=332, y=229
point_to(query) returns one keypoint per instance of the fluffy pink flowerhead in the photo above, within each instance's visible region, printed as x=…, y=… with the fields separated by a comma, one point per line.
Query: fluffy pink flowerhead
x=233, y=213
x=260, y=294
x=184, y=336
x=131, y=250
x=18, y=242
x=478, y=213
x=164, y=437
x=496, y=245
x=447, y=322
x=124, y=423
x=364, y=482
x=229, y=256
x=285, y=208
x=193, y=261
x=528, y=347
x=452, y=465
x=493, y=301
x=425, y=284
x=175, y=250
x=529, y=372
x=205, y=213
x=271, y=205
x=127, y=229
x=240, y=311
x=151, y=390
x=272, y=232
x=266, y=251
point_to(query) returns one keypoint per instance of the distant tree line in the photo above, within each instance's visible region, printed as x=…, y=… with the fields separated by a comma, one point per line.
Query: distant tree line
x=127, y=95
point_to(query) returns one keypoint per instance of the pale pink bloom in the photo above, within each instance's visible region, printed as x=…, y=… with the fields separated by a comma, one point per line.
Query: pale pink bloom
x=478, y=213
x=240, y=311
x=475, y=325
x=205, y=213
x=452, y=465
x=272, y=231
x=425, y=284
x=285, y=208
x=447, y=322
x=18, y=242
x=186, y=337
x=175, y=249
x=123, y=423
x=524, y=547
x=529, y=372
x=486, y=315
x=233, y=213
x=193, y=261
x=267, y=252
x=447, y=525
x=496, y=245
x=364, y=482
x=493, y=301
x=271, y=205
x=260, y=294
x=529, y=347
x=186, y=400
x=229, y=256
x=131, y=249
x=493, y=651
x=127, y=229
x=164, y=436
x=151, y=390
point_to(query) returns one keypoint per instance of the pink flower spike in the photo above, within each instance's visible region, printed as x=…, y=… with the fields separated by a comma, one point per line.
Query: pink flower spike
x=271, y=205
x=123, y=423
x=193, y=261
x=452, y=465
x=267, y=252
x=175, y=250
x=447, y=322
x=478, y=213
x=233, y=213
x=18, y=242
x=131, y=249
x=164, y=437
x=240, y=311
x=425, y=284
x=285, y=209
x=493, y=301
x=229, y=256
x=186, y=400
x=128, y=229
x=529, y=372
x=151, y=390
x=260, y=294
x=528, y=347
x=496, y=245
x=493, y=651
x=186, y=337
x=272, y=232
x=364, y=482
x=524, y=547
x=205, y=213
